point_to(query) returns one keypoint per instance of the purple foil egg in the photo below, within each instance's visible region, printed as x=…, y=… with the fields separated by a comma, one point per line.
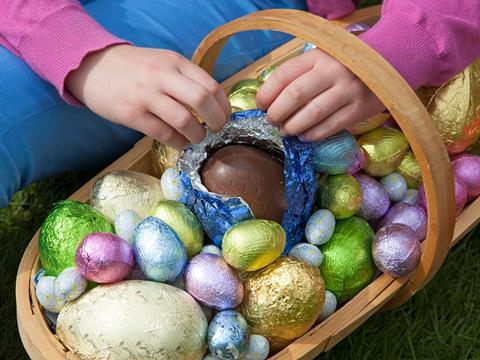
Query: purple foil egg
x=104, y=258
x=395, y=250
x=412, y=216
x=466, y=168
x=210, y=280
x=375, y=201
x=461, y=196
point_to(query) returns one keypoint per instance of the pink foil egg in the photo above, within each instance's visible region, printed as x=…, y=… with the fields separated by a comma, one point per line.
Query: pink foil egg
x=104, y=258
x=461, y=196
x=412, y=216
x=375, y=201
x=466, y=168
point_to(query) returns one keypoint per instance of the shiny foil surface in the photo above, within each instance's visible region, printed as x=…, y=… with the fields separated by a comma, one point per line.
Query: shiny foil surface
x=253, y=244
x=410, y=170
x=210, y=280
x=125, y=223
x=258, y=348
x=308, y=253
x=172, y=186
x=244, y=99
x=211, y=249
x=63, y=230
x=329, y=307
x=369, y=124
x=395, y=186
x=347, y=265
x=412, y=216
x=125, y=190
x=411, y=197
x=320, y=227
x=375, y=200
x=46, y=296
x=70, y=284
x=283, y=300
x=251, y=84
x=265, y=74
x=341, y=194
x=164, y=157
x=461, y=196
x=466, y=168
x=134, y=320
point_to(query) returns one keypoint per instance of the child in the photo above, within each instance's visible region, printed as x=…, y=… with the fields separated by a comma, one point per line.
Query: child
x=149, y=87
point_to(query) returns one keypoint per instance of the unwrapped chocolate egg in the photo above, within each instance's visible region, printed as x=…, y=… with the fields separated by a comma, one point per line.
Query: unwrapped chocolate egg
x=183, y=222
x=461, y=196
x=308, y=253
x=244, y=99
x=411, y=197
x=283, y=300
x=164, y=157
x=210, y=280
x=320, y=227
x=258, y=348
x=410, y=170
x=412, y=216
x=329, y=306
x=104, y=258
x=341, y=194
x=46, y=296
x=347, y=265
x=125, y=190
x=228, y=335
x=70, y=284
x=369, y=124
x=134, y=320
x=125, y=223
x=171, y=184
x=211, y=249
x=252, y=84
x=384, y=149
x=63, y=230
x=158, y=250
x=250, y=245
x=250, y=173
x=466, y=168
x=395, y=250
x=375, y=200
x=395, y=186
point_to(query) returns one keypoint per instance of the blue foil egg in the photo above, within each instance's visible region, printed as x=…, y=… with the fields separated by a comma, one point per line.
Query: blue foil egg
x=395, y=185
x=125, y=223
x=171, y=184
x=46, y=296
x=211, y=249
x=70, y=284
x=158, y=250
x=329, y=306
x=258, y=348
x=411, y=197
x=228, y=335
x=338, y=154
x=308, y=253
x=320, y=227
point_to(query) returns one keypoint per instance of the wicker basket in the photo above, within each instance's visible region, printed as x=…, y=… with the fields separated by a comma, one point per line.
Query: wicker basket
x=385, y=292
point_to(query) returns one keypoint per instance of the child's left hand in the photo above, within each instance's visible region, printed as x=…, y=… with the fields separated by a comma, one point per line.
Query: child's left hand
x=314, y=96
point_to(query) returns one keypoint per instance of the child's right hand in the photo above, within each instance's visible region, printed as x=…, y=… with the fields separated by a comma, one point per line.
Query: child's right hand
x=152, y=91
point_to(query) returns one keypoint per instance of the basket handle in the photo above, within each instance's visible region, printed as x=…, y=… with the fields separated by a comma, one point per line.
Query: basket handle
x=389, y=86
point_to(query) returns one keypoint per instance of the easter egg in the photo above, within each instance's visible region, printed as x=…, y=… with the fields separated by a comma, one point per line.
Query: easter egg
x=411, y=197
x=384, y=149
x=410, y=170
x=125, y=223
x=183, y=222
x=369, y=124
x=347, y=265
x=104, y=258
x=244, y=99
x=338, y=154
x=228, y=335
x=265, y=74
x=308, y=253
x=341, y=194
x=320, y=227
x=46, y=296
x=63, y=230
x=329, y=306
x=466, y=168
x=70, y=284
x=209, y=357
x=134, y=320
x=395, y=250
x=252, y=84
x=395, y=186
x=461, y=196
x=253, y=244
x=210, y=280
x=258, y=348
x=412, y=216
x=158, y=250
x=375, y=200
x=171, y=184
x=288, y=291
x=125, y=190
x=164, y=157
x=211, y=249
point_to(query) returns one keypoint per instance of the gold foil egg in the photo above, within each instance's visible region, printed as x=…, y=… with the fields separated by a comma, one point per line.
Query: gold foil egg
x=368, y=124
x=253, y=244
x=455, y=108
x=252, y=84
x=244, y=99
x=134, y=320
x=283, y=300
x=341, y=194
x=384, y=149
x=164, y=157
x=410, y=170
x=125, y=190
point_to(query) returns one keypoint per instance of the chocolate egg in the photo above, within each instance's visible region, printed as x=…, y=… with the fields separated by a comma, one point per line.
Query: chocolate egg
x=125, y=190
x=395, y=250
x=183, y=222
x=171, y=184
x=283, y=300
x=125, y=223
x=308, y=253
x=412, y=216
x=158, y=250
x=211, y=249
x=253, y=244
x=410, y=170
x=320, y=227
x=369, y=124
x=411, y=197
x=347, y=265
x=244, y=99
x=466, y=168
x=134, y=320
x=210, y=280
x=384, y=149
x=228, y=335
x=265, y=74
x=46, y=296
x=375, y=200
x=70, y=284
x=164, y=157
x=258, y=348
x=250, y=173
x=252, y=84
x=395, y=186
x=329, y=306
x=104, y=258
x=63, y=230
x=341, y=194
x=461, y=196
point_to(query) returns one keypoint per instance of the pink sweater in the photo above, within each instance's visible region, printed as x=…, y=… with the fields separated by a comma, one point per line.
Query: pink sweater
x=427, y=41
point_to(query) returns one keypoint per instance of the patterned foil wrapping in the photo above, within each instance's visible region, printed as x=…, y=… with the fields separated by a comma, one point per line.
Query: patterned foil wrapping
x=164, y=157
x=410, y=170
x=134, y=320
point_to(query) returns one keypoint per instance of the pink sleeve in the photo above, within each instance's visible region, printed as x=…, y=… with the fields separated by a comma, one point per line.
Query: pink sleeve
x=51, y=36
x=331, y=9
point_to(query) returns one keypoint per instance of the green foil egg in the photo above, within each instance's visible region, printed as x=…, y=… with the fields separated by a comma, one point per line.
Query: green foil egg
x=265, y=74
x=348, y=265
x=63, y=230
x=253, y=244
x=244, y=99
x=341, y=194
x=410, y=170
x=183, y=222
x=252, y=84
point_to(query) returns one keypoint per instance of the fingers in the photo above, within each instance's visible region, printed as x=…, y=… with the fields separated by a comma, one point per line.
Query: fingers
x=154, y=127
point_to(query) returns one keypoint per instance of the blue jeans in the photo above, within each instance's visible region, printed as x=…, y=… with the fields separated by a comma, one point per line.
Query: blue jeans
x=41, y=135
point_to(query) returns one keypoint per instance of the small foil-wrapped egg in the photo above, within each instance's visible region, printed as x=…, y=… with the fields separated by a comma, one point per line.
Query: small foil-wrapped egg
x=395, y=250
x=45, y=291
x=209, y=357
x=252, y=84
x=461, y=196
x=258, y=348
x=228, y=335
x=320, y=227
x=125, y=223
x=411, y=197
x=338, y=154
x=375, y=200
x=158, y=250
x=244, y=99
x=410, y=170
x=265, y=74
x=412, y=216
x=384, y=149
x=104, y=258
x=164, y=157
x=70, y=284
x=466, y=168
x=395, y=186
x=329, y=306
x=211, y=249
x=253, y=244
x=308, y=253
x=171, y=184
x=367, y=125
x=210, y=280
x=341, y=194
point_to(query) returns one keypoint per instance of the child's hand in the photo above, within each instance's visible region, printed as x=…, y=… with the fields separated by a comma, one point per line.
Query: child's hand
x=314, y=96
x=152, y=91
